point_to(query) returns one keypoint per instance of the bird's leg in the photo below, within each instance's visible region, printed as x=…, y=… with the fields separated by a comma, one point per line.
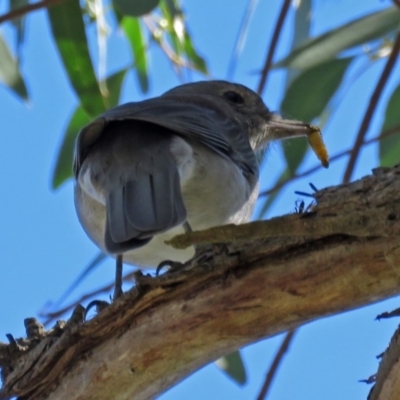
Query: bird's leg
x=118, y=277
x=100, y=304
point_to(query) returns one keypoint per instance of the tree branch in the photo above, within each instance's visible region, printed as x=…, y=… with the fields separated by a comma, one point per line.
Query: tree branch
x=396, y=2
x=21, y=11
x=283, y=348
x=272, y=45
x=387, y=384
x=373, y=102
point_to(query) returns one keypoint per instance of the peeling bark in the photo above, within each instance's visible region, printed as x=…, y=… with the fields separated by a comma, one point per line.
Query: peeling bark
x=387, y=384
x=266, y=278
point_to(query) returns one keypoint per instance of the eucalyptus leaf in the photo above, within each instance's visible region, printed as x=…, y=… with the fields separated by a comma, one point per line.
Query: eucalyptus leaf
x=354, y=33
x=19, y=23
x=133, y=31
x=179, y=36
x=301, y=33
x=10, y=75
x=232, y=365
x=135, y=8
x=301, y=22
x=172, y=6
x=63, y=168
x=389, y=147
x=191, y=53
x=294, y=150
x=310, y=92
x=174, y=17
x=114, y=85
x=69, y=33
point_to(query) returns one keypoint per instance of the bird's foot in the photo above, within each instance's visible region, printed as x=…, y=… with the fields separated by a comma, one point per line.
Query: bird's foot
x=172, y=266
x=300, y=206
x=99, y=306
x=202, y=258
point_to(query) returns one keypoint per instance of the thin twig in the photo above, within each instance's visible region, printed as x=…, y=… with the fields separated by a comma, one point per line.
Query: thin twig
x=272, y=45
x=164, y=46
x=19, y=12
x=275, y=364
x=386, y=133
x=376, y=95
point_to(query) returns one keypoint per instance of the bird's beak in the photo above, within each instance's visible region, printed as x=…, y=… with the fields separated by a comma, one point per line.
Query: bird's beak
x=278, y=128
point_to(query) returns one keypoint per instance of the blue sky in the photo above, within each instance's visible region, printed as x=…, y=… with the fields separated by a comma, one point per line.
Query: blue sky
x=44, y=248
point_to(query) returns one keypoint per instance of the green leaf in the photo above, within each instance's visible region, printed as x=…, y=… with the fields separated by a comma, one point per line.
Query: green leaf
x=114, y=85
x=198, y=61
x=80, y=118
x=302, y=20
x=135, y=8
x=69, y=33
x=174, y=17
x=294, y=150
x=63, y=168
x=389, y=147
x=19, y=23
x=178, y=35
x=301, y=33
x=9, y=71
x=173, y=8
x=233, y=366
x=356, y=32
x=310, y=92
x=133, y=31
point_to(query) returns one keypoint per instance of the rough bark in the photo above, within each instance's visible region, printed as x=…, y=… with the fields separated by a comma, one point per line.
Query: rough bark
x=267, y=278
x=387, y=385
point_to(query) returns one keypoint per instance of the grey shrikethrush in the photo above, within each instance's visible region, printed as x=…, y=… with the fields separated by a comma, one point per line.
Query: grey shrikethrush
x=147, y=171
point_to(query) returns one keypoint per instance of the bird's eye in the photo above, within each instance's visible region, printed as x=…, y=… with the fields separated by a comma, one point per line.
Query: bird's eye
x=234, y=97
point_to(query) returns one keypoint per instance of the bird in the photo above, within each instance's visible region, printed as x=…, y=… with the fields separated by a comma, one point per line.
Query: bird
x=186, y=160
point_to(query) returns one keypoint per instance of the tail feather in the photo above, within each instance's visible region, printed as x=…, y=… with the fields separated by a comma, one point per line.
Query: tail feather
x=149, y=204
x=159, y=199
x=114, y=247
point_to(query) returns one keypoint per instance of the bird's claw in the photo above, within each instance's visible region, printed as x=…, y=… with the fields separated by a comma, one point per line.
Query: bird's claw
x=173, y=266
x=99, y=304
x=201, y=259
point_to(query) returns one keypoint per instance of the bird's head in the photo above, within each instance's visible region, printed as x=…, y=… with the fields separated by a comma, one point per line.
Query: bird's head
x=246, y=107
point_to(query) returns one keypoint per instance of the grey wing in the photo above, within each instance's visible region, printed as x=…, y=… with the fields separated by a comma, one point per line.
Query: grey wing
x=202, y=124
